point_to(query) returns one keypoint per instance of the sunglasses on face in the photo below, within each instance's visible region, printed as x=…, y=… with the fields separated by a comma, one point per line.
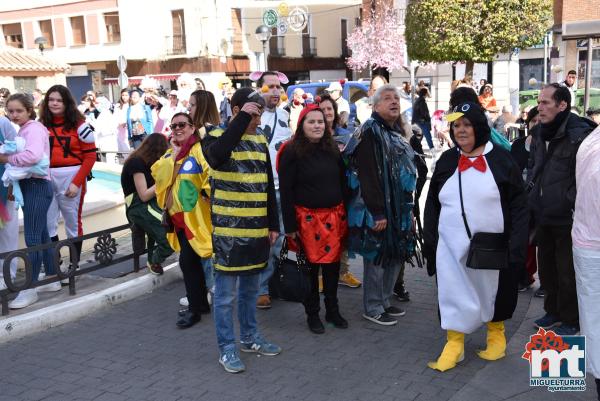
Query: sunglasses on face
x=180, y=125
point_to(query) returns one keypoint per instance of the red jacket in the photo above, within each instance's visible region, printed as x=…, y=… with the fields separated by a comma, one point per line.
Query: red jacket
x=73, y=147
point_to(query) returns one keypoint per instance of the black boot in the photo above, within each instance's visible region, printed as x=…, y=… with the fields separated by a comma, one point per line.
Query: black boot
x=187, y=319
x=315, y=325
x=401, y=293
x=337, y=319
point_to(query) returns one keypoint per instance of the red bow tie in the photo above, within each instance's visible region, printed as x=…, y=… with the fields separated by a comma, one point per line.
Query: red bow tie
x=464, y=163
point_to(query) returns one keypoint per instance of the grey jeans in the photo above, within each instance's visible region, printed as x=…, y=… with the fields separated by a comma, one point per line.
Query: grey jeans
x=378, y=286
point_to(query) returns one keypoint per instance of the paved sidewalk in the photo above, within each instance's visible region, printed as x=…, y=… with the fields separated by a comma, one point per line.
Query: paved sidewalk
x=133, y=351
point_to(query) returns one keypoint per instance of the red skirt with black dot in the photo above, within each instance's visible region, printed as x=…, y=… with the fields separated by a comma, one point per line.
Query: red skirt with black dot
x=322, y=232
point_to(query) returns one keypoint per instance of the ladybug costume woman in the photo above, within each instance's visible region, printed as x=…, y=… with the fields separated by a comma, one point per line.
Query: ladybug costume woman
x=312, y=184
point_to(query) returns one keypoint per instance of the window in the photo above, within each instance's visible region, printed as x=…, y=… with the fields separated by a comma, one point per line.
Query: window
x=113, y=29
x=276, y=44
x=530, y=68
x=46, y=30
x=236, y=22
x=178, y=39
x=344, y=26
x=78, y=29
x=25, y=84
x=13, y=35
x=309, y=43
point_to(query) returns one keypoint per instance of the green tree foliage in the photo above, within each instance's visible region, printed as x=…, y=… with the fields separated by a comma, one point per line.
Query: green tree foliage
x=473, y=30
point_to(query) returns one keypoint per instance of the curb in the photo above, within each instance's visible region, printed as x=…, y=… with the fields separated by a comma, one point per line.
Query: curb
x=68, y=311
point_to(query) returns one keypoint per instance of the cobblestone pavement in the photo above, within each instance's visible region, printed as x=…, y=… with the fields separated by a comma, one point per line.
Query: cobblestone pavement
x=133, y=351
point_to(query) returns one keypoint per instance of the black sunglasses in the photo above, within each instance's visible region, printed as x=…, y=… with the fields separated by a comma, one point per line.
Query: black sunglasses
x=180, y=125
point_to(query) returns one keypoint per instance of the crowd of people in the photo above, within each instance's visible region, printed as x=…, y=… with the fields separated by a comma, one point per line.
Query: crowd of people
x=227, y=186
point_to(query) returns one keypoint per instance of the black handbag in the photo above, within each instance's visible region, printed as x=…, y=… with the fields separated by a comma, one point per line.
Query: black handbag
x=487, y=251
x=293, y=275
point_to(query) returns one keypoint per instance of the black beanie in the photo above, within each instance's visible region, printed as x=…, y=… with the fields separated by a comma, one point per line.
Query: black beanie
x=476, y=116
x=245, y=95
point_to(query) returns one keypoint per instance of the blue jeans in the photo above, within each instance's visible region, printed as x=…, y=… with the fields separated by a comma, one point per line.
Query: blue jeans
x=378, y=286
x=136, y=141
x=426, y=128
x=267, y=272
x=37, y=196
x=226, y=286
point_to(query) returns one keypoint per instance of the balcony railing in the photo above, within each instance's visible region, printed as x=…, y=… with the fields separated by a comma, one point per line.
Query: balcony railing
x=176, y=44
x=277, y=46
x=309, y=46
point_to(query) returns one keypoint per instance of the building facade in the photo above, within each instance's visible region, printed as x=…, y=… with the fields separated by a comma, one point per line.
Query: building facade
x=571, y=54
x=207, y=39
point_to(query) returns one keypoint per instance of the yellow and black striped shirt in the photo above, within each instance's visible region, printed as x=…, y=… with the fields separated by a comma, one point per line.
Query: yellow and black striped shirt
x=240, y=190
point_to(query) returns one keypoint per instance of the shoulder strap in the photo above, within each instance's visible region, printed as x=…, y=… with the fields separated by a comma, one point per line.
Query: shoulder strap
x=66, y=149
x=169, y=197
x=462, y=206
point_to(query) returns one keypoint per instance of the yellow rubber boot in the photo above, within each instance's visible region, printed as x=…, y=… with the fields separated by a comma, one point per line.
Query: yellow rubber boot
x=454, y=352
x=496, y=342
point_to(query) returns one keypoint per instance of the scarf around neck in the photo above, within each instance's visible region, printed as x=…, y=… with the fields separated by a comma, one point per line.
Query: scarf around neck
x=549, y=130
x=186, y=147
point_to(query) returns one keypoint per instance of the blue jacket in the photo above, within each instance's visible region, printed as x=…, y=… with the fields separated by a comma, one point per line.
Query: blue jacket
x=7, y=132
x=146, y=121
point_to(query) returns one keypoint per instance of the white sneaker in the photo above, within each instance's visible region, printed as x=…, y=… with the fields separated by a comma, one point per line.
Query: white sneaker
x=209, y=296
x=52, y=287
x=24, y=299
x=184, y=301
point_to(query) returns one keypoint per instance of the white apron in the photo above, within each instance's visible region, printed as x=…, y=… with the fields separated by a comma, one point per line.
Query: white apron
x=466, y=296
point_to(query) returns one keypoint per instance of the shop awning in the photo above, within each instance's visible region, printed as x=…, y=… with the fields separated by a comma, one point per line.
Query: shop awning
x=138, y=79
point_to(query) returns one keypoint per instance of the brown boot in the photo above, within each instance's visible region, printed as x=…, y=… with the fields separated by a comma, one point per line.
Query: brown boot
x=263, y=302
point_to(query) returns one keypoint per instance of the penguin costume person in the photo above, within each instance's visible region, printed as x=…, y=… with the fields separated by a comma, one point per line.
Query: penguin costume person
x=494, y=201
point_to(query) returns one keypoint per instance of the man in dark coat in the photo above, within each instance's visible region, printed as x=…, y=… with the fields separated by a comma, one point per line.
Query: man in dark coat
x=552, y=200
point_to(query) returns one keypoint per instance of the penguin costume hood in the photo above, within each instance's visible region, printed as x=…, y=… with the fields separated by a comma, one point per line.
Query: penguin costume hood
x=476, y=116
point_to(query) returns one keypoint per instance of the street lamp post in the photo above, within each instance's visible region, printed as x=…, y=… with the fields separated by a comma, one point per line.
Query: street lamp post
x=263, y=34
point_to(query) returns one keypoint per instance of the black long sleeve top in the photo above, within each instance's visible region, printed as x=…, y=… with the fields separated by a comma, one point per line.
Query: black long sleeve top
x=315, y=180
x=420, y=111
x=369, y=175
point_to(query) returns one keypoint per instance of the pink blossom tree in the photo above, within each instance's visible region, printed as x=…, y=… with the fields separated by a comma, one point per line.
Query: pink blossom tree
x=378, y=42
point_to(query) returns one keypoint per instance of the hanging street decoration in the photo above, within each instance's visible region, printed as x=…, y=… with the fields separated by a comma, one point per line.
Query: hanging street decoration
x=283, y=9
x=298, y=19
x=282, y=27
x=270, y=17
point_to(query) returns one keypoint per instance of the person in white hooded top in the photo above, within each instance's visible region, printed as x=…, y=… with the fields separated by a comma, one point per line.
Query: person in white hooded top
x=274, y=123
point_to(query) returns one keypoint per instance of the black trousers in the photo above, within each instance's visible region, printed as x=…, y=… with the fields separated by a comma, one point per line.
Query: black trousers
x=331, y=276
x=193, y=276
x=557, y=272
